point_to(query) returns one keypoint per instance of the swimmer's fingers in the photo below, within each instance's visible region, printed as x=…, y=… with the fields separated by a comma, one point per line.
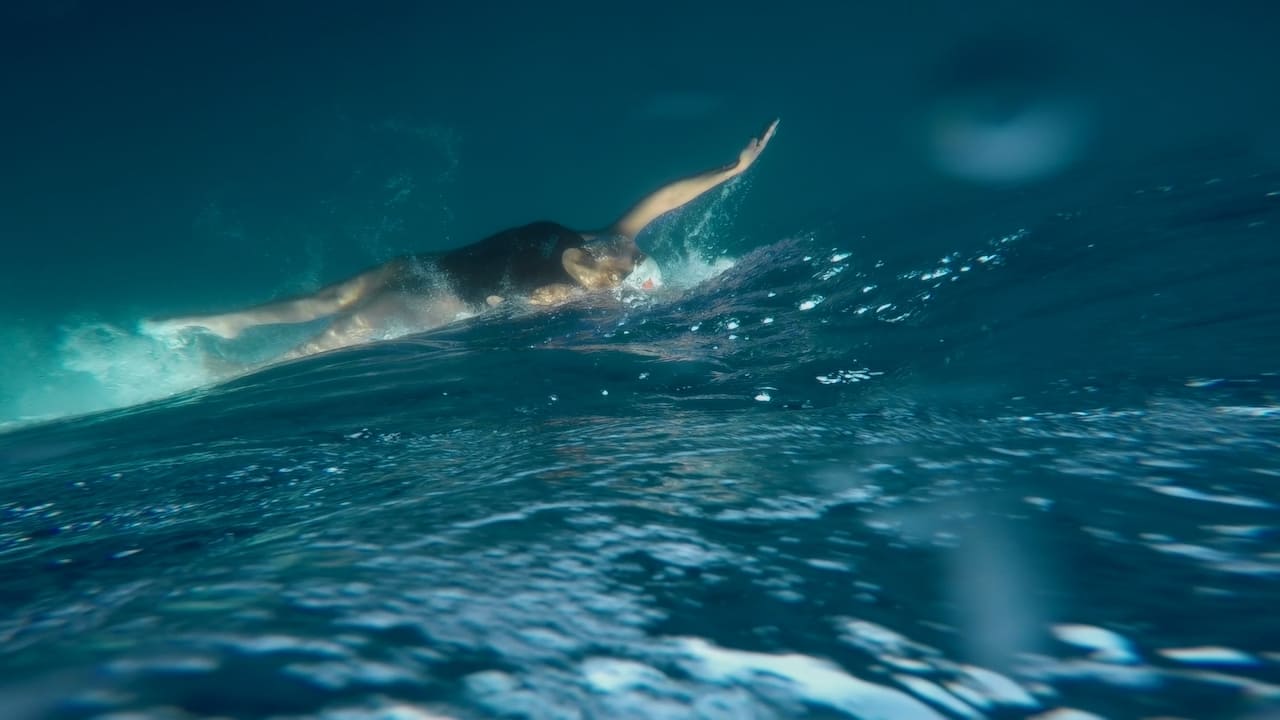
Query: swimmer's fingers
x=767, y=135
x=756, y=146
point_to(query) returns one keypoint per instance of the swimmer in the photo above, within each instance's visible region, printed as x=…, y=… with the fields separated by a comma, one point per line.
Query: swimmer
x=543, y=262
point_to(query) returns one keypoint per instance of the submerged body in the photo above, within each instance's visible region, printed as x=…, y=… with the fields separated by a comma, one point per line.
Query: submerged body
x=543, y=262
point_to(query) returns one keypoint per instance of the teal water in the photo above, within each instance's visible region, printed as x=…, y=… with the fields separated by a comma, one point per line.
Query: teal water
x=978, y=421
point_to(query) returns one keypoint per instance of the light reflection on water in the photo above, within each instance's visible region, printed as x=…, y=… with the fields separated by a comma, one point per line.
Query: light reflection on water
x=467, y=524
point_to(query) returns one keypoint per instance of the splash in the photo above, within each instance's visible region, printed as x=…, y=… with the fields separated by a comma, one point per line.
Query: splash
x=692, y=270
x=99, y=366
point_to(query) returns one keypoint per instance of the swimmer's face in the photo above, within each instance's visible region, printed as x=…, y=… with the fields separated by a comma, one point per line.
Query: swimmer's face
x=612, y=263
x=646, y=275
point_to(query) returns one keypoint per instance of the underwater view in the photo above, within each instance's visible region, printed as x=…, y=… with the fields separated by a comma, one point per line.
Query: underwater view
x=959, y=400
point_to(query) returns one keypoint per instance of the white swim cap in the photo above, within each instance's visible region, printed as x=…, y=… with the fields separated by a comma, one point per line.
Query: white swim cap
x=646, y=276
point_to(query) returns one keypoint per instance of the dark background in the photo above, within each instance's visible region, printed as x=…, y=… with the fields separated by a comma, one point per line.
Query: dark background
x=164, y=156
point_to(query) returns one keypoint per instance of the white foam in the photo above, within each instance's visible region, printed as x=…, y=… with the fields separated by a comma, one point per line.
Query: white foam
x=694, y=269
x=937, y=695
x=286, y=644
x=99, y=366
x=189, y=664
x=998, y=688
x=341, y=675
x=969, y=695
x=397, y=711
x=1250, y=411
x=1251, y=532
x=1209, y=656
x=1189, y=494
x=1067, y=714
x=682, y=554
x=615, y=675
x=679, y=275
x=1107, y=646
x=813, y=680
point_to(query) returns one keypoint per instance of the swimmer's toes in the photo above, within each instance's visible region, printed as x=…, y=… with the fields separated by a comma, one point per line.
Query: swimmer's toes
x=152, y=326
x=169, y=327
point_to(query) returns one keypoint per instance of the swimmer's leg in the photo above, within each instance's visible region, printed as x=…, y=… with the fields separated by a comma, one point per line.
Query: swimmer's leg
x=351, y=328
x=669, y=197
x=327, y=301
x=387, y=314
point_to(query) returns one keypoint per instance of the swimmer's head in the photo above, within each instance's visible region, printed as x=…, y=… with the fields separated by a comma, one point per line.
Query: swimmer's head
x=609, y=262
x=646, y=275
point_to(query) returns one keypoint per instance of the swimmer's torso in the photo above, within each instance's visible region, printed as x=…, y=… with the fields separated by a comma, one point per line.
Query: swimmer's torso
x=519, y=261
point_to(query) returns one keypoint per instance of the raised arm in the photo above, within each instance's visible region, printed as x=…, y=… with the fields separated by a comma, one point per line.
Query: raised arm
x=681, y=192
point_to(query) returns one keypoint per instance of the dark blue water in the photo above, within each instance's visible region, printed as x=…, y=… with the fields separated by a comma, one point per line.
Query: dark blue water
x=819, y=483
x=974, y=432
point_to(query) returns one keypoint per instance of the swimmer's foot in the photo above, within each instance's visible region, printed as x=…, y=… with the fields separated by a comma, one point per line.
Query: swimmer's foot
x=159, y=327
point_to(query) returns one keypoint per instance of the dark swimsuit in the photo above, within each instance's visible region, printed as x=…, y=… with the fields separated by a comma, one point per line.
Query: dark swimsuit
x=518, y=261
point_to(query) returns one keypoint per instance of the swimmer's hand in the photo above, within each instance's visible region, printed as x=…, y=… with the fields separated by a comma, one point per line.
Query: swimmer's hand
x=755, y=147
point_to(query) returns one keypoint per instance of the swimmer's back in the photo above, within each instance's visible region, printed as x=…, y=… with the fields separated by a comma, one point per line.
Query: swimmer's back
x=518, y=260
